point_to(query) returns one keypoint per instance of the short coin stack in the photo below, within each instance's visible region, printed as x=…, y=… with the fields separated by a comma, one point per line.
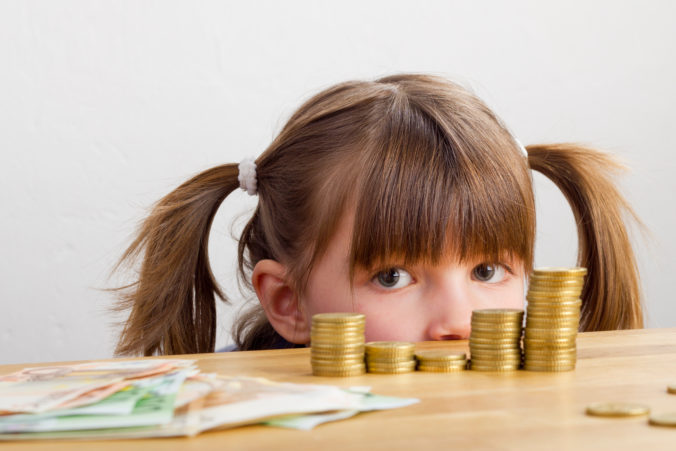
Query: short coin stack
x=495, y=340
x=337, y=344
x=390, y=357
x=441, y=361
x=553, y=318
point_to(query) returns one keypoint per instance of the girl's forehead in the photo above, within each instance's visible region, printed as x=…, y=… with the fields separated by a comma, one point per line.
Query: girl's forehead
x=339, y=250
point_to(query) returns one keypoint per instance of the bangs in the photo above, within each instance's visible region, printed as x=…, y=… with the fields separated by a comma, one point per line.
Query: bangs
x=431, y=193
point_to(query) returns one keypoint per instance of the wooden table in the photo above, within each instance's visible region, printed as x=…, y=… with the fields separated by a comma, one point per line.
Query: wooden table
x=467, y=410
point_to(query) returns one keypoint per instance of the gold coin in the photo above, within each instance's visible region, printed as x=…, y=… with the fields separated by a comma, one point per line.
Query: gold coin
x=481, y=356
x=337, y=355
x=533, y=331
x=567, y=347
x=335, y=363
x=550, y=333
x=553, y=325
x=543, y=361
x=337, y=339
x=493, y=343
x=550, y=302
x=493, y=322
x=550, y=353
x=339, y=318
x=552, y=282
x=450, y=364
x=338, y=369
x=440, y=355
x=575, y=271
x=390, y=348
x=510, y=328
x=557, y=307
x=569, y=319
x=513, y=338
x=554, y=310
x=558, y=369
x=555, y=345
x=441, y=369
x=489, y=368
x=554, y=287
x=550, y=318
x=389, y=361
x=539, y=365
x=493, y=354
x=495, y=366
x=663, y=419
x=552, y=339
x=671, y=388
x=617, y=409
x=497, y=313
x=390, y=370
x=553, y=320
x=546, y=294
x=337, y=333
x=553, y=299
x=548, y=361
x=555, y=282
x=337, y=373
x=337, y=328
x=386, y=365
x=340, y=328
x=485, y=331
x=342, y=347
x=488, y=358
x=474, y=363
x=554, y=313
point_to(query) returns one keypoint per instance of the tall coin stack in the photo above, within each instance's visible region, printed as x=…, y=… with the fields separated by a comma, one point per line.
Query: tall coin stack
x=553, y=318
x=337, y=344
x=495, y=340
x=390, y=357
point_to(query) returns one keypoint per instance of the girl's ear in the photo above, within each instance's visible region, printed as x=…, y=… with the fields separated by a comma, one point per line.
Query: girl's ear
x=280, y=302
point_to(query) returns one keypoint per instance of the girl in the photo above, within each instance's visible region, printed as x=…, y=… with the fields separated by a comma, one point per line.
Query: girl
x=405, y=198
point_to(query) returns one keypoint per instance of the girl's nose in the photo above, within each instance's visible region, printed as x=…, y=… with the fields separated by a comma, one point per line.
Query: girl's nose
x=451, y=316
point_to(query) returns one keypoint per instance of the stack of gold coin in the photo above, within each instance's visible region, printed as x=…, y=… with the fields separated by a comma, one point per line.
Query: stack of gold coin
x=553, y=318
x=337, y=341
x=495, y=340
x=390, y=357
x=441, y=361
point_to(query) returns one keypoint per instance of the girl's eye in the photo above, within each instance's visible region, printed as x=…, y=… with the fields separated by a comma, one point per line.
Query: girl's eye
x=488, y=273
x=393, y=278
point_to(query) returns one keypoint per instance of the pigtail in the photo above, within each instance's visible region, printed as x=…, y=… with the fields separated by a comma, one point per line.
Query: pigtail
x=611, y=295
x=173, y=305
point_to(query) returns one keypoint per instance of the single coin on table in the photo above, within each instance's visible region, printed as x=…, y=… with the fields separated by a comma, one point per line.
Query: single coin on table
x=617, y=409
x=663, y=419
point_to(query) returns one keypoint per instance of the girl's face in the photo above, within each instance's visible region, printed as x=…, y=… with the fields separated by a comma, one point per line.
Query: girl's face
x=411, y=303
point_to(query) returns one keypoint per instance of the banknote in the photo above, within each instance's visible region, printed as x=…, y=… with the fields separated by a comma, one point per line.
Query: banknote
x=367, y=402
x=153, y=407
x=36, y=390
x=210, y=401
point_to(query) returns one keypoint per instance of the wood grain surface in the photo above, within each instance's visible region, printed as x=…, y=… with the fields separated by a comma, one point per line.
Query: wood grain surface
x=466, y=410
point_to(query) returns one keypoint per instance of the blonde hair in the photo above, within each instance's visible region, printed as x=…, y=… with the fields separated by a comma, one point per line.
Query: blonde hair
x=427, y=168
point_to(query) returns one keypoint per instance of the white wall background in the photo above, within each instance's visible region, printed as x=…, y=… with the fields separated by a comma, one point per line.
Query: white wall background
x=107, y=106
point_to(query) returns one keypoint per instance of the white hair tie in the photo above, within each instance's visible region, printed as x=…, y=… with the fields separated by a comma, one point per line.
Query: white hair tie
x=247, y=176
x=523, y=149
